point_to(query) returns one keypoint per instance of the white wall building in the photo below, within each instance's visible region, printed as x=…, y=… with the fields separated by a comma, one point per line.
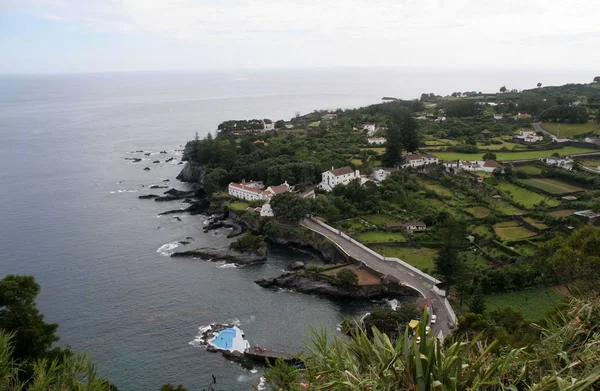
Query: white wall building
x=334, y=177
x=377, y=140
x=370, y=127
x=266, y=210
x=251, y=191
x=418, y=159
x=381, y=174
x=268, y=126
x=565, y=163
x=529, y=136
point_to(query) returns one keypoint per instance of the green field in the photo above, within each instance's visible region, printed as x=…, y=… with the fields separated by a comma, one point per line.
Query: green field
x=482, y=230
x=380, y=220
x=479, y=212
x=537, y=224
x=529, y=169
x=553, y=186
x=497, y=147
x=380, y=237
x=502, y=156
x=421, y=258
x=354, y=223
x=561, y=213
x=438, y=189
x=511, y=230
x=238, y=206
x=505, y=208
x=533, y=303
x=571, y=130
x=356, y=162
x=525, y=248
x=525, y=197
x=377, y=150
x=592, y=163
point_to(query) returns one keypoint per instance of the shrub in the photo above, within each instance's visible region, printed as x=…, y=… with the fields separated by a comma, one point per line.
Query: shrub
x=347, y=278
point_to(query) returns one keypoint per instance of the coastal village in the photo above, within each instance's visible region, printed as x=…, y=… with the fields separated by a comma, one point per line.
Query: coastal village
x=451, y=198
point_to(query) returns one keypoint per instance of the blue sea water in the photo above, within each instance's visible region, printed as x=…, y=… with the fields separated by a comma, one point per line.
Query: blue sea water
x=71, y=216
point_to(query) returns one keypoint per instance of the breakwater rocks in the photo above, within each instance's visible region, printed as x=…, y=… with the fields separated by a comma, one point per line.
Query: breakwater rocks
x=227, y=255
x=312, y=284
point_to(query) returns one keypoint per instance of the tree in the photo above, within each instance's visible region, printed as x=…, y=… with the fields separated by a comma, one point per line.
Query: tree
x=289, y=206
x=597, y=79
x=347, y=278
x=477, y=302
x=215, y=179
x=33, y=337
x=539, y=85
x=503, y=89
x=393, y=148
x=447, y=262
x=489, y=156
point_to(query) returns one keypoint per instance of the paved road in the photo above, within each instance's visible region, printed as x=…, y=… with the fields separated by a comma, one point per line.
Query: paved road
x=537, y=126
x=395, y=269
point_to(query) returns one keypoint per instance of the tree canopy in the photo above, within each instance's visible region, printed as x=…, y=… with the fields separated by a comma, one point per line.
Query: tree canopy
x=290, y=206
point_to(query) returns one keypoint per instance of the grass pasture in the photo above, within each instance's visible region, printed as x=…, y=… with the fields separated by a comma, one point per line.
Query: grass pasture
x=537, y=224
x=512, y=230
x=438, y=189
x=379, y=220
x=479, y=212
x=525, y=197
x=553, y=186
x=421, y=258
x=505, y=208
x=370, y=237
x=482, y=230
x=560, y=213
x=532, y=303
x=529, y=169
x=504, y=156
x=571, y=130
x=238, y=206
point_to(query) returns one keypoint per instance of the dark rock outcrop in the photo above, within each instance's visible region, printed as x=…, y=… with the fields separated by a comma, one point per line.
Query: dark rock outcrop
x=156, y=161
x=147, y=196
x=146, y=168
x=192, y=173
x=299, y=265
x=159, y=187
x=169, y=159
x=228, y=255
x=314, y=285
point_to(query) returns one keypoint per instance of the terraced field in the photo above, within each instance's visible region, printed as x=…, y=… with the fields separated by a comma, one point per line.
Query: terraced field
x=525, y=197
x=553, y=186
x=533, y=303
x=512, y=230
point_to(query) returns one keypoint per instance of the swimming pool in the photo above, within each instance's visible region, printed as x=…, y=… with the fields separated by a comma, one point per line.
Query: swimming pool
x=224, y=339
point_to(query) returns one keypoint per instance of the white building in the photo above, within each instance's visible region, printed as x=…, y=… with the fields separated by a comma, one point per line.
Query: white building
x=251, y=191
x=565, y=162
x=414, y=226
x=560, y=139
x=334, y=177
x=381, y=174
x=377, y=140
x=419, y=159
x=266, y=210
x=268, y=126
x=595, y=140
x=529, y=136
x=498, y=117
x=476, y=165
x=370, y=127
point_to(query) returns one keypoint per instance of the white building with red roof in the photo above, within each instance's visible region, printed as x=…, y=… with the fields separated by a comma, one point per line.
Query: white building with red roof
x=337, y=176
x=251, y=191
x=419, y=159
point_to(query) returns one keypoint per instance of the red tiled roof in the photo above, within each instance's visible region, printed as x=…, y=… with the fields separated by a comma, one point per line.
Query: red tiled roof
x=279, y=189
x=414, y=223
x=341, y=171
x=244, y=187
x=492, y=163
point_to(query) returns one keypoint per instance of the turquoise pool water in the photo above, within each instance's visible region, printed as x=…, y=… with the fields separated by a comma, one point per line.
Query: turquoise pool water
x=224, y=339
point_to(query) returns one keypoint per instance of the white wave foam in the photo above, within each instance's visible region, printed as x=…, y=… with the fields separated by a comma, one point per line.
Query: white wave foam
x=123, y=191
x=227, y=266
x=253, y=371
x=165, y=249
x=393, y=303
x=262, y=384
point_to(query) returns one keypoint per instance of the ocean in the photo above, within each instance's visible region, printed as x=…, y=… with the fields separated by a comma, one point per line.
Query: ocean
x=71, y=215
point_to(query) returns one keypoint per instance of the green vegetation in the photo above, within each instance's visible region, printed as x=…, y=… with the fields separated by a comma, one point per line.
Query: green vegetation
x=553, y=186
x=525, y=197
x=504, y=156
x=529, y=169
x=249, y=242
x=479, y=212
x=561, y=213
x=374, y=361
x=537, y=224
x=347, y=278
x=505, y=208
x=421, y=258
x=572, y=130
x=512, y=230
x=380, y=237
x=289, y=206
x=533, y=303
x=238, y=206
x=379, y=220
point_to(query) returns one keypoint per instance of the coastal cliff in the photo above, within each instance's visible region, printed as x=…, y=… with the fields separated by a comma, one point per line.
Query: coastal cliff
x=192, y=173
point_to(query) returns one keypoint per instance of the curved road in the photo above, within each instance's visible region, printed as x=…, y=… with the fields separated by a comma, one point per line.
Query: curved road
x=402, y=273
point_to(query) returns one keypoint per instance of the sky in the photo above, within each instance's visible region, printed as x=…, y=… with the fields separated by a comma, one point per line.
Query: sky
x=48, y=36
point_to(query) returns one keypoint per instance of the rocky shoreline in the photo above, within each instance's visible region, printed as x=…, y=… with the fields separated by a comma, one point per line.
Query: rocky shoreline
x=311, y=284
x=227, y=255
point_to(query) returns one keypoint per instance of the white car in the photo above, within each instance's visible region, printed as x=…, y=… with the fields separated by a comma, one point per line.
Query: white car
x=433, y=319
x=427, y=329
x=418, y=340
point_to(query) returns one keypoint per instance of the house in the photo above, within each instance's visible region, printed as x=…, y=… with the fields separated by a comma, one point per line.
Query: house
x=451, y=163
x=309, y=194
x=268, y=125
x=529, y=136
x=337, y=176
x=266, y=210
x=489, y=166
x=486, y=133
x=414, y=226
x=440, y=118
x=370, y=127
x=380, y=174
x=329, y=116
x=523, y=116
x=259, y=142
x=594, y=140
x=566, y=162
x=377, y=140
x=498, y=117
x=251, y=191
x=418, y=159
x=560, y=139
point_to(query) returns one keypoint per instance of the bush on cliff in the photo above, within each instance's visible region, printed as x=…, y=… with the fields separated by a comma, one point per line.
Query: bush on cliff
x=249, y=242
x=347, y=278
